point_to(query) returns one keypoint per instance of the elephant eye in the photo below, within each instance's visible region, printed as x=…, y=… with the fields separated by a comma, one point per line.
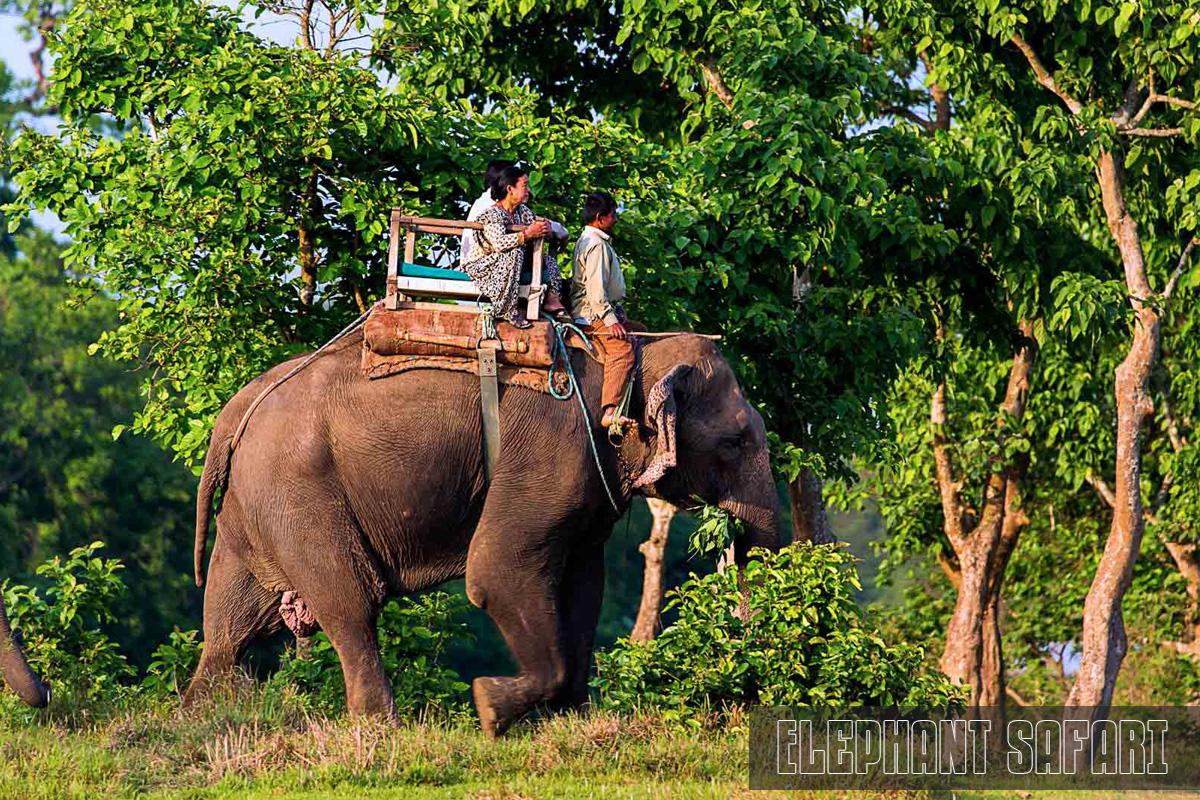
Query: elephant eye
x=733, y=442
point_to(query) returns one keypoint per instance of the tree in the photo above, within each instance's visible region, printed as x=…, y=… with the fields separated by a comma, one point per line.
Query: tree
x=1116, y=88
x=654, y=549
x=64, y=480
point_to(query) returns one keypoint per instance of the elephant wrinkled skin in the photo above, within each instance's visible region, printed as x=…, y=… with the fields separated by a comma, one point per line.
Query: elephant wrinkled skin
x=15, y=669
x=349, y=491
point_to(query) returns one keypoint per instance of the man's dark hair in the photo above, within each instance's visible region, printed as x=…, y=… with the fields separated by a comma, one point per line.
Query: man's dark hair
x=508, y=177
x=494, y=170
x=598, y=204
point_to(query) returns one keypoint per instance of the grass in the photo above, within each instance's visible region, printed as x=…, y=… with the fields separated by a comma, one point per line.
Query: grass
x=255, y=745
x=248, y=743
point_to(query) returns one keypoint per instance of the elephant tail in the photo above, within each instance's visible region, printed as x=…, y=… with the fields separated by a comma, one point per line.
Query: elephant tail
x=216, y=472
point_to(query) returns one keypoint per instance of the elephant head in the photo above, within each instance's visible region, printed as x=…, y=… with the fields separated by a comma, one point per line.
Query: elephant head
x=16, y=670
x=703, y=439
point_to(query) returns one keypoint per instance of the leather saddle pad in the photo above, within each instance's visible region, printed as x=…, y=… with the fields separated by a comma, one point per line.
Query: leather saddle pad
x=427, y=329
x=428, y=336
x=376, y=366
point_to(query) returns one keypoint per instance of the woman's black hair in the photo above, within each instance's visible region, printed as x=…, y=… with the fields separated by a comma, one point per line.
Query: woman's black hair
x=509, y=177
x=494, y=169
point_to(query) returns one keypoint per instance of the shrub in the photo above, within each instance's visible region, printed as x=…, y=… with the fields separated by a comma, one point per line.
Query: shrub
x=414, y=634
x=61, y=620
x=804, y=642
x=172, y=664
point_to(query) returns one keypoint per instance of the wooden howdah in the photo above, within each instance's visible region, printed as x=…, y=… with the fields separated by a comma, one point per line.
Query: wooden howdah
x=432, y=329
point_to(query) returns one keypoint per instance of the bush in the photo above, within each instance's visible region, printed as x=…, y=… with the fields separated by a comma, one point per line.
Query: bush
x=804, y=642
x=61, y=621
x=172, y=664
x=414, y=634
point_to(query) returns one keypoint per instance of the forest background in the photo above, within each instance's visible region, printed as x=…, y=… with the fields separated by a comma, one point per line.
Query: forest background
x=948, y=246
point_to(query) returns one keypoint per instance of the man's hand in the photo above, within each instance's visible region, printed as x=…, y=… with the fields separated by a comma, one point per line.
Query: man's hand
x=538, y=229
x=619, y=331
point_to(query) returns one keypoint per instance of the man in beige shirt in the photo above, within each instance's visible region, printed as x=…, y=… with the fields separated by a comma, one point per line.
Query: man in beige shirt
x=597, y=288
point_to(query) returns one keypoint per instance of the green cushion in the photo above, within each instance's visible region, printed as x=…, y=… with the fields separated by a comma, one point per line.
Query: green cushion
x=422, y=271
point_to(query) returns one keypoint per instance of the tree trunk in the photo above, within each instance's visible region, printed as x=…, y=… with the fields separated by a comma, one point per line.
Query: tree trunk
x=15, y=669
x=1184, y=555
x=973, y=654
x=1104, y=642
x=992, y=684
x=310, y=207
x=646, y=626
x=810, y=520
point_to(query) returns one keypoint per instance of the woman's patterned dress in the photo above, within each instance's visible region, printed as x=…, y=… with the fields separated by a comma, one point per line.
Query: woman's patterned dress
x=495, y=260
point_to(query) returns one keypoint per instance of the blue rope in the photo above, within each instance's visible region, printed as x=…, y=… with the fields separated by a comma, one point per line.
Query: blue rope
x=560, y=349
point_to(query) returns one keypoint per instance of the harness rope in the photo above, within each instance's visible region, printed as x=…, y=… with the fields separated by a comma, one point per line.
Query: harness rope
x=560, y=348
x=241, y=428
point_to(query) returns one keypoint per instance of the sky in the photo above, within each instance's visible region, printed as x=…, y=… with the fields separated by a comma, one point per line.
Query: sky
x=14, y=51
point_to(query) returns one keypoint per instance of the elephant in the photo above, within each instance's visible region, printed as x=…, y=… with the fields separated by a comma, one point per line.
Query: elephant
x=15, y=668
x=344, y=492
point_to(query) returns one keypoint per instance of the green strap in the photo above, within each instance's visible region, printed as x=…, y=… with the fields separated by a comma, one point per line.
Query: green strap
x=489, y=401
x=616, y=431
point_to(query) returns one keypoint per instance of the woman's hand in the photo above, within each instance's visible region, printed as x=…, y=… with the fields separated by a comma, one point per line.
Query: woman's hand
x=539, y=229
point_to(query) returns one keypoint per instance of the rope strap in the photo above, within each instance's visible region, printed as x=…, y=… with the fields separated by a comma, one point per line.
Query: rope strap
x=560, y=349
x=241, y=428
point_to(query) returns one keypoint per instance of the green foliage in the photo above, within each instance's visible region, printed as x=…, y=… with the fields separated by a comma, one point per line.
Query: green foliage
x=717, y=530
x=804, y=641
x=62, y=624
x=172, y=665
x=414, y=634
x=66, y=482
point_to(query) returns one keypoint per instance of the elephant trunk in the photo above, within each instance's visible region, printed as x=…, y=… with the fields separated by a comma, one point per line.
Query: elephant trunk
x=756, y=503
x=15, y=668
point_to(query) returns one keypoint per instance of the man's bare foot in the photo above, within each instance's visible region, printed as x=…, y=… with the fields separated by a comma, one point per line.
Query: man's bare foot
x=611, y=416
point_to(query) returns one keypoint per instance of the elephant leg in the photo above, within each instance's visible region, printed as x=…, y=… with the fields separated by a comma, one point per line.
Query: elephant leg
x=368, y=691
x=340, y=585
x=237, y=609
x=581, y=596
x=515, y=578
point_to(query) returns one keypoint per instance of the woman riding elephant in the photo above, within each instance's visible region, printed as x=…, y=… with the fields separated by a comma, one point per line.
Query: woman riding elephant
x=495, y=258
x=15, y=669
x=345, y=491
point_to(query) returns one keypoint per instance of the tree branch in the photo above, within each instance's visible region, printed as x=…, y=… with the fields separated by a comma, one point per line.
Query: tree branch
x=1043, y=75
x=306, y=36
x=1154, y=97
x=910, y=115
x=1103, y=489
x=948, y=488
x=1015, y=697
x=951, y=568
x=1178, y=442
x=1003, y=478
x=1151, y=133
x=716, y=84
x=1173, y=281
x=941, y=99
x=41, y=83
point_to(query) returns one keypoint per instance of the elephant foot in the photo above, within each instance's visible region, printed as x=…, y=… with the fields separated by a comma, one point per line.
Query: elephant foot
x=494, y=705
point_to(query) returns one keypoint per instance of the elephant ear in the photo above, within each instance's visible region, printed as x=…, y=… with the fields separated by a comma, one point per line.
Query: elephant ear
x=662, y=410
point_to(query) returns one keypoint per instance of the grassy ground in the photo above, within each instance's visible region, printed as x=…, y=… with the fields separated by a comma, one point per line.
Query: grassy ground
x=264, y=748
